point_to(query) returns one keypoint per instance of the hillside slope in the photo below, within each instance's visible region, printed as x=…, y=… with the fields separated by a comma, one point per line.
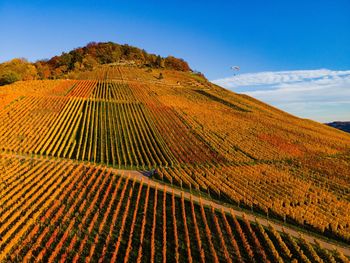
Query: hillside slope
x=197, y=135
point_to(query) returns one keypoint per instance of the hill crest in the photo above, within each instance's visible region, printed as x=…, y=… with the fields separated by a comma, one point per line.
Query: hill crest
x=87, y=58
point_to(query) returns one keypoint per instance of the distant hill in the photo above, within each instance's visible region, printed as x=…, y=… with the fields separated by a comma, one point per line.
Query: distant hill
x=341, y=125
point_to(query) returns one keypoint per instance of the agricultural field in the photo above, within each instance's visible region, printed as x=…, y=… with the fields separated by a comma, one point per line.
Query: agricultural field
x=65, y=211
x=68, y=147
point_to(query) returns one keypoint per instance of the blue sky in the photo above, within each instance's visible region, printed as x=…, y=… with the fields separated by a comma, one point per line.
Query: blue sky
x=259, y=36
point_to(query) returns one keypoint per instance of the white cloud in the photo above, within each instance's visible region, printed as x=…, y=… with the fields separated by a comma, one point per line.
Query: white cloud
x=322, y=95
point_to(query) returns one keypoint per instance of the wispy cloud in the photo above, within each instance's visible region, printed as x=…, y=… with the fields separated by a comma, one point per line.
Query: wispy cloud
x=322, y=95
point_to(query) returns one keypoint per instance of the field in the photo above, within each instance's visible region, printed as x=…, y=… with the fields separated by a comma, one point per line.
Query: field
x=59, y=210
x=64, y=199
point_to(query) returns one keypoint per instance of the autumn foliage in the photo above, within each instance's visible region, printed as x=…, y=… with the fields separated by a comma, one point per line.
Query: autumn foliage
x=68, y=65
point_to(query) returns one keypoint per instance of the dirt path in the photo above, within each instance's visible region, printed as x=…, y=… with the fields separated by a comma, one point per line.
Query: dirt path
x=251, y=217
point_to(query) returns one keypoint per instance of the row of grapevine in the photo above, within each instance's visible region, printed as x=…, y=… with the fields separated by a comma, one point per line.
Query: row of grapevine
x=82, y=89
x=247, y=134
x=75, y=216
x=113, y=91
x=185, y=146
x=259, y=131
x=120, y=134
x=104, y=90
x=236, y=141
x=26, y=122
x=38, y=88
x=60, y=139
x=61, y=211
x=267, y=189
x=96, y=130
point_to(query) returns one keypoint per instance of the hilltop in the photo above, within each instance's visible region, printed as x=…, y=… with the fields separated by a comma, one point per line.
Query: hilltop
x=67, y=146
x=87, y=58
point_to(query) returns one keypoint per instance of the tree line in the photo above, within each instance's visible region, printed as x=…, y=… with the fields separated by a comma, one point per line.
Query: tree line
x=67, y=65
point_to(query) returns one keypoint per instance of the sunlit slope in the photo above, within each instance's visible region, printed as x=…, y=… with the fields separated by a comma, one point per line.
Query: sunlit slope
x=236, y=121
x=236, y=126
x=199, y=136
x=240, y=122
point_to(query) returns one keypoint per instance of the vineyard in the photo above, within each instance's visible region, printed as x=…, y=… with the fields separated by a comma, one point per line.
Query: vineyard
x=272, y=191
x=64, y=211
x=62, y=198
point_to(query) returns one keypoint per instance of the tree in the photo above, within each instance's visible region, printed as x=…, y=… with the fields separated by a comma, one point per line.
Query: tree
x=89, y=62
x=17, y=69
x=43, y=69
x=86, y=58
x=66, y=59
x=176, y=64
x=9, y=77
x=116, y=54
x=160, y=63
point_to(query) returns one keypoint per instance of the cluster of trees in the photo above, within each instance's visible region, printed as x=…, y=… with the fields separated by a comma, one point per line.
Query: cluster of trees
x=84, y=59
x=17, y=69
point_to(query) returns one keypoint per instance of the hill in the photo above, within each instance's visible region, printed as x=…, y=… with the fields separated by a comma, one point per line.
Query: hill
x=341, y=125
x=67, y=146
x=68, y=65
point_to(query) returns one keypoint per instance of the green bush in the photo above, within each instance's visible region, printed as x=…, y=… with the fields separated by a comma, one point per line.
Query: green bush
x=8, y=77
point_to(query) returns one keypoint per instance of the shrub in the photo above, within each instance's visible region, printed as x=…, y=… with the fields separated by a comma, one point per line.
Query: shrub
x=8, y=77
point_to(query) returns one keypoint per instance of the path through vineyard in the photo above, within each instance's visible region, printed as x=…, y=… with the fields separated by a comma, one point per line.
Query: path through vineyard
x=137, y=175
x=140, y=176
